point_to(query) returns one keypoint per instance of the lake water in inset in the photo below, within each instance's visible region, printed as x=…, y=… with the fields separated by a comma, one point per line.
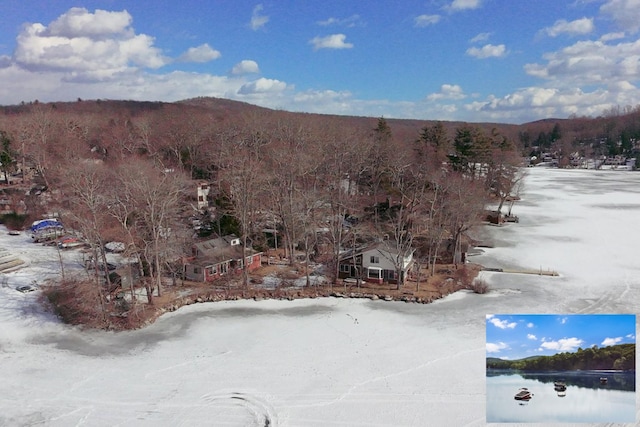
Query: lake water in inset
x=586, y=399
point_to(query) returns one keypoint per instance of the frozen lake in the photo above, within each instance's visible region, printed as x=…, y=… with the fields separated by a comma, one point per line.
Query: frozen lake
x=327, y=362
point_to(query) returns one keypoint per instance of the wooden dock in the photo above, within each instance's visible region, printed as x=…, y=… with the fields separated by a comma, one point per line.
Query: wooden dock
x=539, y=272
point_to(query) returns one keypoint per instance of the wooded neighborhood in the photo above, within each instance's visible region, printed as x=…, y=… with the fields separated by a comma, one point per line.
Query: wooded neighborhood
x=208, y=189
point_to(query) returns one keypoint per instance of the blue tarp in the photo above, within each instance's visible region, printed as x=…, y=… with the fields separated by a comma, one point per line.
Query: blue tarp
x=45, y=224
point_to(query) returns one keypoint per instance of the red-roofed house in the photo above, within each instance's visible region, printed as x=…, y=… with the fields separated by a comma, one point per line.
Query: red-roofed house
x=215, y=258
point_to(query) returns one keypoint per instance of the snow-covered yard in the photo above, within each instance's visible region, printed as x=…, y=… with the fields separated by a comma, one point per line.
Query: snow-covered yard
x=323, y=362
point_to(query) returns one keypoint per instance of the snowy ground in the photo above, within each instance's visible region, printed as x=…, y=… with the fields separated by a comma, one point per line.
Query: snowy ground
x=324, y=362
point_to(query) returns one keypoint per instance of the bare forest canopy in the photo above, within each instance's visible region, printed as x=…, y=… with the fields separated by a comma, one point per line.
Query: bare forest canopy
x=128, y=171
x=620, y=357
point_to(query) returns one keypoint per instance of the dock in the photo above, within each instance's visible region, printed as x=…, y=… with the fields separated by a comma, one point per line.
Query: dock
x=539, y=272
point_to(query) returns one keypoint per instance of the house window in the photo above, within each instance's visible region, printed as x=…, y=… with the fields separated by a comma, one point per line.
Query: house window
x=345, y=268
x=373, y=273
x=196, y=270
x=213, y=270
x=374, y=260
x=223, y=268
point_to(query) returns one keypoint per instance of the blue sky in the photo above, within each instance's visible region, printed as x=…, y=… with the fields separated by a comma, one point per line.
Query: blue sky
x=507, y=61
x=511, y=336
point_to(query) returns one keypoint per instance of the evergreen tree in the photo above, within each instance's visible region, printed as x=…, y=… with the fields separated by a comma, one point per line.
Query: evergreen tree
x=6, y=156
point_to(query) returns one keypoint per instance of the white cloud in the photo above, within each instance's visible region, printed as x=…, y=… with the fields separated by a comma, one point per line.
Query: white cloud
x=611, y=36
x=531, y=337
x=625, y=13
x=502, y=324
x=86, y=45
x=246, y=66
x=611, y=341
x=202, y=53
x=458, y=5
x=530, y=325
x=496, y=347
x=257, y=19
x=349, y=22
x=99, y=55
x=262, y=85
x=480, y=38
x=522, y=105
x=578, y=27
x=333, y=41
x=426, y=20
x=564, y=320
x=630, y=336
x=5, y=61
x=593, y=63
x=78, y=22
x=488, y=51
x=447, y=92
x=563, y=345
x=489, y=316
x=22, y=85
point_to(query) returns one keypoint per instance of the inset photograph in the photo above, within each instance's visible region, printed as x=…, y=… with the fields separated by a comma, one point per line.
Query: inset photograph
x=570, y=368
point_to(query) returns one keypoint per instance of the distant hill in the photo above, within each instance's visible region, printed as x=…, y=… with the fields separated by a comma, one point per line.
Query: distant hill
x=613, y=134
x=617, y=357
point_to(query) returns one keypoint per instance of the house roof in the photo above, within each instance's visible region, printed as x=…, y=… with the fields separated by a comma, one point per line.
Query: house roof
x=378, y=246
x=219, y=250
x=228, y=254
x=213, y=246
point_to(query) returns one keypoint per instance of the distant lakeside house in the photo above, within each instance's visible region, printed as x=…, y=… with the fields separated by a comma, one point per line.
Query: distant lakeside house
x=215, y=258
x=375, y=263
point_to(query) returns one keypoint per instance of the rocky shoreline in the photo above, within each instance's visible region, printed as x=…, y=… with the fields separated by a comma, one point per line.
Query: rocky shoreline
x=406, y=296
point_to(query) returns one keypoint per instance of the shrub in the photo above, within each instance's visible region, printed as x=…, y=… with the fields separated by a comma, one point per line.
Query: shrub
x=479, y=286
x=76, y=302
x=14, y=221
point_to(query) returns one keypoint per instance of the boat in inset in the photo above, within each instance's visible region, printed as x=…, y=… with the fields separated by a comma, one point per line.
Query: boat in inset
x=523, y=394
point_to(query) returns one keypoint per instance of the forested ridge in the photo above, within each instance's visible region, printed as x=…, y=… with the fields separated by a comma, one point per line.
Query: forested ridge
x=616, y=357
x=125, y=170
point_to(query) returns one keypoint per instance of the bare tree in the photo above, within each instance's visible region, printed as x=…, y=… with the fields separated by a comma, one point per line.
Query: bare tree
x=86, y=207
x=408, y=188
x=463, y=204
x=37, y=136
x=158, y=196
x=380, y=151
x=341, y=163
x=288, y=168
x=243, y=177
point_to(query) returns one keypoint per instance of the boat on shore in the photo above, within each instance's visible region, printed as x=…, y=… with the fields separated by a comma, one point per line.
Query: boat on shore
x=603, y=380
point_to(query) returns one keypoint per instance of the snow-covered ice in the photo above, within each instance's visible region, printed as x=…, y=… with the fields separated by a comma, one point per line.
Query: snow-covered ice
x=323, y=362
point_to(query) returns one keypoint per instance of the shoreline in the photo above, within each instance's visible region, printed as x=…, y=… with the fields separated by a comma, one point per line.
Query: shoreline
x=143, y=315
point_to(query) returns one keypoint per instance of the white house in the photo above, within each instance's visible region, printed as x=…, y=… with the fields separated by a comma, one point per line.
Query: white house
x=375, y=263
x=203, y=195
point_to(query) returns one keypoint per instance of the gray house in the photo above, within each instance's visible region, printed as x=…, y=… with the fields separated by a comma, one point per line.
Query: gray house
x=375, y=263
